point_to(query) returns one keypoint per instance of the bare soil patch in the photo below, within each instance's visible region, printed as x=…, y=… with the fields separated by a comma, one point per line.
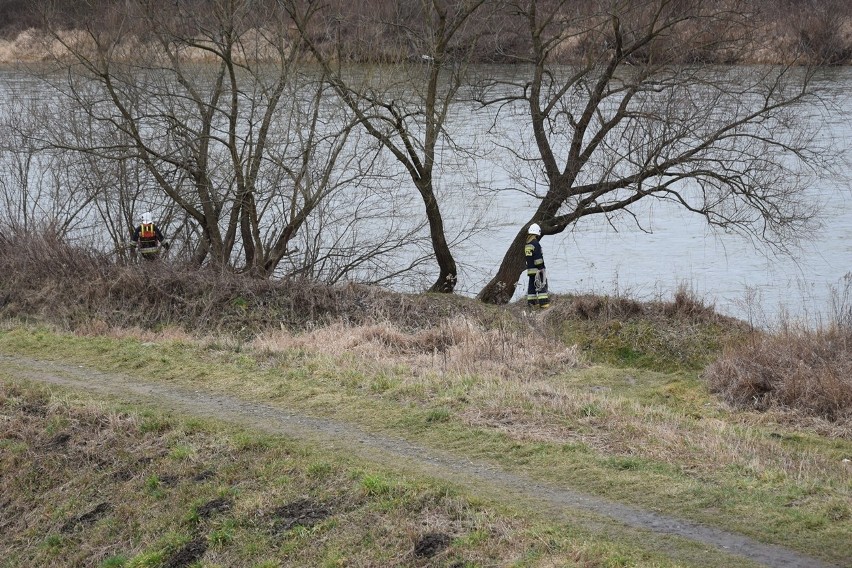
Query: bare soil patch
x=431, y=544
x=188, y=553
x=304, y=512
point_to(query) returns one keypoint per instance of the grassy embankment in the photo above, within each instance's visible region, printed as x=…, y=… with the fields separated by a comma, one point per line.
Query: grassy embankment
x=602, y=395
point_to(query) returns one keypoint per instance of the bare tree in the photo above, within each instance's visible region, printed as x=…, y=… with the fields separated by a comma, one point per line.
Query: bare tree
x=212, y=99
x=405, y=106
x=628, y=125
x=821, y=28
x=40, y=190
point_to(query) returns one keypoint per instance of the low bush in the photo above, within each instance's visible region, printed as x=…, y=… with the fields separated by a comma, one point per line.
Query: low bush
x=809, y=371
x=48, y=279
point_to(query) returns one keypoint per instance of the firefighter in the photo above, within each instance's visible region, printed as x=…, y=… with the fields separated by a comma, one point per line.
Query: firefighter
x=148, y=239
x=537, y=296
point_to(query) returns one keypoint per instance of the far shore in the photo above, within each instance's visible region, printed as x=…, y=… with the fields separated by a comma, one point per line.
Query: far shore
x=33, y=46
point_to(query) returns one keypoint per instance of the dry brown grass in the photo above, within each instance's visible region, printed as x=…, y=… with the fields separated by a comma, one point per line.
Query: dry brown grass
x=454, y=345
x=809, y=371
x=550, y=411
x=450, y=336
x=684, y=305
x=526, y=398
x=47, y=279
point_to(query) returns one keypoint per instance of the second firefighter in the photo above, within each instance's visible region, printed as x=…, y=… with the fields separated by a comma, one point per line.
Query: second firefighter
x=537, y=288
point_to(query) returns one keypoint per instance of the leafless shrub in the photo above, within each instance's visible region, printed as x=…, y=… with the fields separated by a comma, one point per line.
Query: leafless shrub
x=592, y=307
x=805, y=370
x=797, y=366
x=685, y=304
x=822, y=32
x=42, y=276
x=841, y=303
x=38, y=271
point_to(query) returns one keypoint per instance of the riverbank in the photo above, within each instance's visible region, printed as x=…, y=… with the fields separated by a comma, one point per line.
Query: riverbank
x=815, y=41
x=159, y=415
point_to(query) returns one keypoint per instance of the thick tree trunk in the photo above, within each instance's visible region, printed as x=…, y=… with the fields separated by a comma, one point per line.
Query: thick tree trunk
x=202, y=249
x=447, y=271
x=501, y=288
x=447, y=276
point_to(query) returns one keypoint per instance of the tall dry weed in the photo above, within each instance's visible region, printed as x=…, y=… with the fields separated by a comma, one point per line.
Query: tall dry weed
x=43, y=276
x=685, y=304
x=809, y=371
x=454, y=344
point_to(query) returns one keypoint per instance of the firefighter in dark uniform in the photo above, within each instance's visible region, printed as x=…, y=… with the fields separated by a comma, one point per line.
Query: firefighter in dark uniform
x=537, y=288
x=148, y=239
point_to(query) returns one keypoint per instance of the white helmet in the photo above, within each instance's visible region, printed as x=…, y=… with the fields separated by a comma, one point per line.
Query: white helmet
x=146, y=217
x=534, y=229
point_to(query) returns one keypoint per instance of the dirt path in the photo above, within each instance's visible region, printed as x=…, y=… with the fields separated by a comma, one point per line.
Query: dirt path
x=330, y=434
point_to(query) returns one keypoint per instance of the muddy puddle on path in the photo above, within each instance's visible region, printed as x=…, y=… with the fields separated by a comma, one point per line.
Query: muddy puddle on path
x=474, y=475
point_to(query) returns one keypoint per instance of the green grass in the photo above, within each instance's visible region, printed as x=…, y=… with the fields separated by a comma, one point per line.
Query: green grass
x=640, y=343
x=373, y=514
x=649, y=438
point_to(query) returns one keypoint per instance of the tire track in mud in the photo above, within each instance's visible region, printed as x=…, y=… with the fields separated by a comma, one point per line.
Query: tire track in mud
x=331, y=434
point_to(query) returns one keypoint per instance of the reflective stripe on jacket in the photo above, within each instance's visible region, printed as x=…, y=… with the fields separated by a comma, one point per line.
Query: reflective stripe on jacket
x=147, y=232
x=533, y=256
